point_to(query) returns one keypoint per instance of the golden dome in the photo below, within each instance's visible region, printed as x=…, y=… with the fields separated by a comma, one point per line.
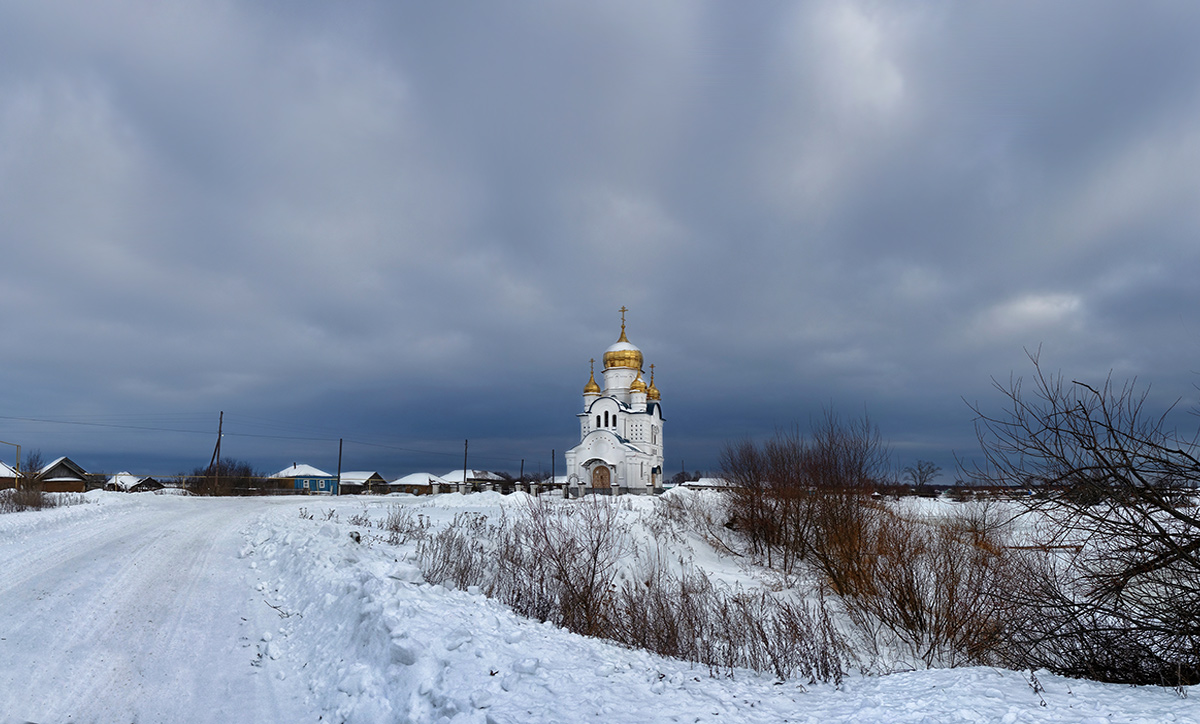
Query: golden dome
x=639, y=385
x=623, y=354
x=652, y=392
x=591, y=388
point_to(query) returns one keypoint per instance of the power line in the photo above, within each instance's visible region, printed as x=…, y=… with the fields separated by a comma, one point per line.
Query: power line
x=262, y=436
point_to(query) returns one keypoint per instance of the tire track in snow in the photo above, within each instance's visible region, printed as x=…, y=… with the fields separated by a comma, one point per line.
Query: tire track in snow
x=137, y=618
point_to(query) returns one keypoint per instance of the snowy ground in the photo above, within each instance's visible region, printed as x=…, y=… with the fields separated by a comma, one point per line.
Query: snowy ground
x=166, y=609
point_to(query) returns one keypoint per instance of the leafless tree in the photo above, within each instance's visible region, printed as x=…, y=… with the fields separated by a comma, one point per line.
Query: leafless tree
x=798, y=497
x=921, y=475
x=228, y=476
x=30, y=466
x=1114, y=587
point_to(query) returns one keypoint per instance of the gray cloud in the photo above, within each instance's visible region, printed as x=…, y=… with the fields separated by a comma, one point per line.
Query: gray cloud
x=411, y=224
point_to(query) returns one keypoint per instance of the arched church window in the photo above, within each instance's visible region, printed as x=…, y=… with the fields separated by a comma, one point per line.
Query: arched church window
x=597, y=421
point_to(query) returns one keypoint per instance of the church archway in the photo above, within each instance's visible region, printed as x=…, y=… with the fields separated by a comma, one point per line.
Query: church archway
x=601, y=477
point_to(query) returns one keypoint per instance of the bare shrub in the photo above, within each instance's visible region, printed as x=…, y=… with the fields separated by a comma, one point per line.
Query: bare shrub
x=32, y=497
x=455, y=555
x=796, y=497
x=933, y=590
x=403, y=525
x=230, y=477
x=701, y=514
x=1113, y=592
x=686, y=617
x=559, y=562
x=578, y=547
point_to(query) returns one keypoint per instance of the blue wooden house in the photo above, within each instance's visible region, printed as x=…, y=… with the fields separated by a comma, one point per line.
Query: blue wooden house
x=309, y=480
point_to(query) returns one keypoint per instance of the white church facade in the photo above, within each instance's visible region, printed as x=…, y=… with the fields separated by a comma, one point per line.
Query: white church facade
x=620, y=446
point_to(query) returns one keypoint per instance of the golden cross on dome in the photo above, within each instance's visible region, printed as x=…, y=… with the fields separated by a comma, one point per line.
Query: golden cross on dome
x=592, y=364
x=652, y=374
x=622, y=338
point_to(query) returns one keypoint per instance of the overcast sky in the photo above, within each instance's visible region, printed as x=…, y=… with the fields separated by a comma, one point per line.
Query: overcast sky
x=409, y=224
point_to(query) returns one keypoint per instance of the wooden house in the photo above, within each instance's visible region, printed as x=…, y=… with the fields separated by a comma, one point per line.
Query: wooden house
x=419, y=484
x=361, y=481
x=129, y=483
x=474, y=481
x=61, y=476
x=309, y=480
x=8, y=477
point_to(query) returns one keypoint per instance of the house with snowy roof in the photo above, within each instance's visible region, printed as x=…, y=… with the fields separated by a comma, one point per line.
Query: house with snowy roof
x=8, y=477
x=421, y=484
x=61, y=475
x=361, y=481
x=310, y=480
x=467, y=480
x=129, y=483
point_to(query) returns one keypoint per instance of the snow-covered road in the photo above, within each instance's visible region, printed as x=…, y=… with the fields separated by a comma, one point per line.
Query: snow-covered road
x=135, y=613
x=160, y=609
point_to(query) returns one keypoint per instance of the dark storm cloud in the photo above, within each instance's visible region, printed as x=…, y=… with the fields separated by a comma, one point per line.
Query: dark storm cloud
x=410, y=224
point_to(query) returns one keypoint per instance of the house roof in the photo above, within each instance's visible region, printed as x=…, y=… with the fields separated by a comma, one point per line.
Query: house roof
x=456, y=476
x=77, y=473
x=124, y=480
x=300, y=470
x=361, y=477
x=707, y=483
x=419, y=479
x=7, y=472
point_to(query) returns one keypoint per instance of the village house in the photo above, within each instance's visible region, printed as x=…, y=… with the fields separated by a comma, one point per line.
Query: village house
x=472, y=481
x=8, y=477
x=420, y=484
x=361, y=481
x=61, y=475
x=307, y=479
x=130, y=483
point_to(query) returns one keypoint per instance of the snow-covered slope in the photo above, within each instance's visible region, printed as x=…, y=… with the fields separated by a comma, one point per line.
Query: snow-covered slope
x=152, y=608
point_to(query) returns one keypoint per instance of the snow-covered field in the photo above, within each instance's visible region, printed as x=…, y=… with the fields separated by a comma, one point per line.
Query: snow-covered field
x=154, y=608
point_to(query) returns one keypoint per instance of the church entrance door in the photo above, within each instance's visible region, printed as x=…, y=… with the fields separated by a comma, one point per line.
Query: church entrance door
x=601, y=477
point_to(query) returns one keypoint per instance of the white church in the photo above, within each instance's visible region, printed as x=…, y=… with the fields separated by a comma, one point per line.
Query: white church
x=620, y=446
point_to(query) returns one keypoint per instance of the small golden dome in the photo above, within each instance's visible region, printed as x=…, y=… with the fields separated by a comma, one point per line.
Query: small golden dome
x=591, y=388
x=652, y=392
x=639, y=385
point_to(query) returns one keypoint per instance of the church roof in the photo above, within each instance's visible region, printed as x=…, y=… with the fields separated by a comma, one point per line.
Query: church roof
x=622, y=353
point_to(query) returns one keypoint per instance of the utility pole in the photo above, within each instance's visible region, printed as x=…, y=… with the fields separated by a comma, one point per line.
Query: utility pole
x=464, y=485
x=214, y=465
x=17, y=480
x=339, y=477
